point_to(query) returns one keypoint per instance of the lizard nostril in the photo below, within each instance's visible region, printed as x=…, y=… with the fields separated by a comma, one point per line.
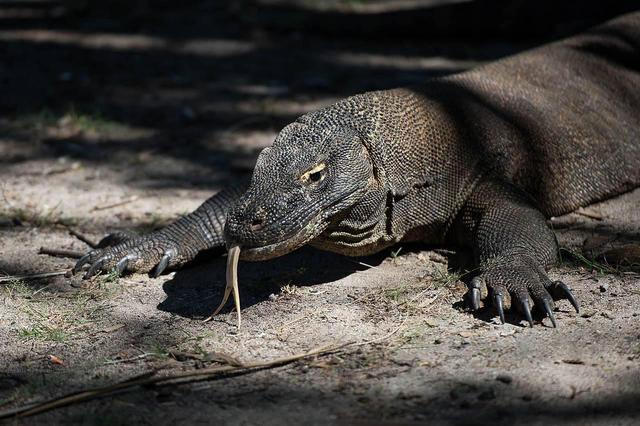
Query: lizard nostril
x=256, y=225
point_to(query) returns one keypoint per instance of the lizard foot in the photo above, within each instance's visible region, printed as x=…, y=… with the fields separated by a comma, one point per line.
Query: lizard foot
x=520, y=283
x=126, y=253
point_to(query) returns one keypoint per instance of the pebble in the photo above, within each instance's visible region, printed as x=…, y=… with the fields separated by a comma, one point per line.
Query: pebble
x=607, y=315
x=504, y=378
x=487, y=395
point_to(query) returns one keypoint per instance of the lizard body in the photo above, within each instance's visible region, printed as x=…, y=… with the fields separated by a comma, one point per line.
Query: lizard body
x=477, y=159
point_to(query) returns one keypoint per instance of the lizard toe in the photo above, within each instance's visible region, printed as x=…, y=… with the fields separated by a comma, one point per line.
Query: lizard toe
x=525, y=308
x=473, y=295
x=523, y=285
x=96, y=267
x=560, y=290
x=549, y=311
x=122, y=264
x=162, y=265
x=498, y=303
x=82, y=262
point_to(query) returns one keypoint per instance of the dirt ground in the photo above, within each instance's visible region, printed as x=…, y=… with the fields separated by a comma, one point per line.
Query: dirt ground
x=127, y=126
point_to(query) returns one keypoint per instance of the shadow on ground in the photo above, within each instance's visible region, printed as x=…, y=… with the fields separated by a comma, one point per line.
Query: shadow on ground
x=196, y=292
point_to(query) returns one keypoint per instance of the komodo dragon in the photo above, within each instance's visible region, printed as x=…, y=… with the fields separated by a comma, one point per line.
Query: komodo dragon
x=476, y=159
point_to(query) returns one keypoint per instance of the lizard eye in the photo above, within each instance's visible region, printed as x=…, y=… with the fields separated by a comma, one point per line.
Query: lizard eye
x=314, y=175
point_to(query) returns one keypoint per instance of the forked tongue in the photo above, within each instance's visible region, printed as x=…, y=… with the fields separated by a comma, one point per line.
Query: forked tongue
x=232, y=284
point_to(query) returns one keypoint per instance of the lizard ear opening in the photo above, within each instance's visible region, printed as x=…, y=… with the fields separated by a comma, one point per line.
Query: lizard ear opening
x=366, y=154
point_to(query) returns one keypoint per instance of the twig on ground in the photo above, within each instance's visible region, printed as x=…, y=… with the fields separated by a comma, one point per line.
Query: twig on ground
x=183, y=377
x=31, y=276
x=229, y=369
x=88, y=241
x=40, y=290
x=181, y=356
x=63, y=169
x=74, y=254
x=133, y=358
x=385, y=337
x=116, y=204
x=364, y=264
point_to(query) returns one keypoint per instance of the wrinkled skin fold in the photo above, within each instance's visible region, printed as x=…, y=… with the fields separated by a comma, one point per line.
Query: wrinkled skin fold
x=478, y=159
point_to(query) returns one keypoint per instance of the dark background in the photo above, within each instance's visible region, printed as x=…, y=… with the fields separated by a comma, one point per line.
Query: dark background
x=54, y=70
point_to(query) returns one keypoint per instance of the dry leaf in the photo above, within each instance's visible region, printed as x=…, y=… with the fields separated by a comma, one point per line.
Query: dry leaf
x=55, y=360
x=113, y=328
x=573, y=361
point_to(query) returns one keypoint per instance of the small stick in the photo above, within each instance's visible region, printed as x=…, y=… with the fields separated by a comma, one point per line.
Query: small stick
x=171, y=379
x=364, y=264
x=32, y=276
x=74, y=254
x=135, y=358
x=39, y=290
x=88, y=241
x=385, y=337
x=182, y=377
x=116, y=204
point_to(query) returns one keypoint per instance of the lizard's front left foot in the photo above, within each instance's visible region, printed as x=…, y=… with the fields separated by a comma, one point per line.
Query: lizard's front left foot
x=129, y=253
x=521, y=283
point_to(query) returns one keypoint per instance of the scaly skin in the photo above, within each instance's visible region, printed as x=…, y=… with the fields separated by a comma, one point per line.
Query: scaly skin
x=477, y=159
x=170, y=247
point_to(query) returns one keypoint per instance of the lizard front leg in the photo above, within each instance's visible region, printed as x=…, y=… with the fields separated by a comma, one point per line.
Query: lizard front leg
x=170, y=247
x=513, y=247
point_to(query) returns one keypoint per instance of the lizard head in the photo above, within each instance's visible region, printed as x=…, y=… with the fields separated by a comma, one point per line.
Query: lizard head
x=307, y=179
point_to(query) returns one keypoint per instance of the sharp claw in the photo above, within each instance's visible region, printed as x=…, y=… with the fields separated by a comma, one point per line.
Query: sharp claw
x=122, y=265
x=81, y=262
x=93, y=269
x=475, y=299
x=527, y=312
x=474, y=293
x=566, y=292
x=549, y=311
x=499, y=304
x=162, y=265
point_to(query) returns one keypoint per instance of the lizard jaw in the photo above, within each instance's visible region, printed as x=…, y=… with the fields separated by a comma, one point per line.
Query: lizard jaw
x=280, y=248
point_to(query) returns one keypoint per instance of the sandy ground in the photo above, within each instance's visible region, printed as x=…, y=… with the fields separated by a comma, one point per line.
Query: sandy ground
x=93, y=148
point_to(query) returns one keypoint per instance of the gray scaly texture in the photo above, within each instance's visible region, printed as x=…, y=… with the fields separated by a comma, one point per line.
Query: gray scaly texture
x=477, y=159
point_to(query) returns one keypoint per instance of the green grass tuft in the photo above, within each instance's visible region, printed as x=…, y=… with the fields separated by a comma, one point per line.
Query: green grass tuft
x=43, y=332
x=17, y=288
x=90, y=119
x=591, y=264
x=111, y=277
x=442, y=277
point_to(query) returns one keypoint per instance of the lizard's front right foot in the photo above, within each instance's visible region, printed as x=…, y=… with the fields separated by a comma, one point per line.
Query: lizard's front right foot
x=521, y=283
x=125, y=253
